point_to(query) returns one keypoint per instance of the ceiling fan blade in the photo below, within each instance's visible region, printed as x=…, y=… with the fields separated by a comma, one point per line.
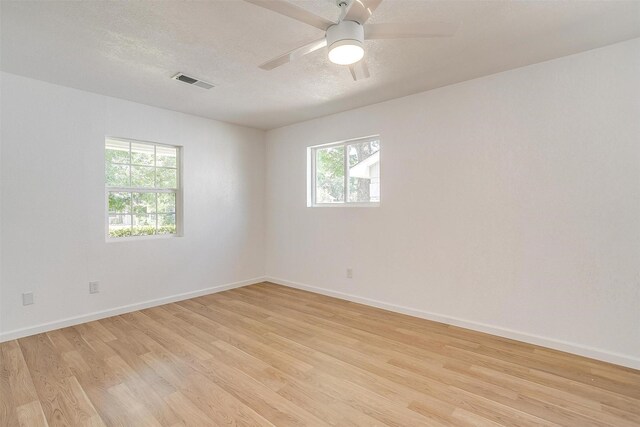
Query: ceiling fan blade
x=359, y=70
x=292, y=11
x=410, y=30
x=361, y=10
x=294, y=54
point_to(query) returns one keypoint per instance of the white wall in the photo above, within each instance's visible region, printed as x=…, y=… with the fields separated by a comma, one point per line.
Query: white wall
x=53, y=240
x=510, y=204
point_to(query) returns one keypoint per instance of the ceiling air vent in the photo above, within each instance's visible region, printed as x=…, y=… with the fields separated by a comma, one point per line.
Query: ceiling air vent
x=192, y=81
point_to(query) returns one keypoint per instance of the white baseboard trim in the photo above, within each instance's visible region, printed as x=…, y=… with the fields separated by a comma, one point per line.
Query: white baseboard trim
x=70, y=321
x=569, y=347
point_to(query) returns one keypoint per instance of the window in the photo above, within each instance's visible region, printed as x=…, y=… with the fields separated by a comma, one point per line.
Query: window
x=142, y=188
x=345, y=173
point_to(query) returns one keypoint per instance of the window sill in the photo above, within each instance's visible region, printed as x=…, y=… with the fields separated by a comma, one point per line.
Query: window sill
x=139, y=238
x=345, y=205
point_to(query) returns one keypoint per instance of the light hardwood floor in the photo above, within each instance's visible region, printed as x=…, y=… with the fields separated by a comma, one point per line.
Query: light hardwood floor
x=270, y=355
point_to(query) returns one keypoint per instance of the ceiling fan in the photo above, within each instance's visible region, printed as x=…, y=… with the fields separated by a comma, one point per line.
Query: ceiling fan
x=345, y=38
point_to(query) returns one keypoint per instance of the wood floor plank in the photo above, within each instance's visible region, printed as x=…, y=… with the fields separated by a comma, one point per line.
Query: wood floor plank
x=136, y=412
x=335, y=365
x=280, y=311
x=12, y=393
x=560, y=410
x=63, y=401
x=219, y=405
x=31, y=415
x=268, y=355
x=189, y=413
x=145, y=393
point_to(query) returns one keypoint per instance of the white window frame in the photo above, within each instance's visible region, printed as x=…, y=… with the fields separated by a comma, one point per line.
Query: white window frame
x=177, y=191
x=311, y=174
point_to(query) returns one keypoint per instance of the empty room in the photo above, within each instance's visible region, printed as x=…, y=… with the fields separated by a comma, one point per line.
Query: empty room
x=319, y=213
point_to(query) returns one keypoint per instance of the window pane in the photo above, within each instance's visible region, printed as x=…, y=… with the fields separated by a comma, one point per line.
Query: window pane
x=119, y=225
x=330, y=175
x=116, y=151
x=166, y=178
x=144, y=225
x=167, y=202
x=144, y=203
x=166, y=156
x=361, y=151
x=142, y=154
x=167, y=224
x=140, y=169
x=364, y=171
x=117, y=175
x=142, y=176
x=119, y=202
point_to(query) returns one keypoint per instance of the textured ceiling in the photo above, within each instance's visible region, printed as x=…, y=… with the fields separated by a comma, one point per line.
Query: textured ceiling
x=131, y=49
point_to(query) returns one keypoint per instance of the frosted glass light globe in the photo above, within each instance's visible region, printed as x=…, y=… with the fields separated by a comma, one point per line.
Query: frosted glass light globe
x=346, y=52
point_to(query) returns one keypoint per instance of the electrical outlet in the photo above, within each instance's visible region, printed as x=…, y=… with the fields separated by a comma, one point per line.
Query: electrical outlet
x=349, y=273
x=94, y=287
x=27, y=298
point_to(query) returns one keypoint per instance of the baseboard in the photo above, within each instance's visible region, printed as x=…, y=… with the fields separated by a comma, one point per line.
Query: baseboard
x=582, y=350
x=70, y=321
x=569, y=347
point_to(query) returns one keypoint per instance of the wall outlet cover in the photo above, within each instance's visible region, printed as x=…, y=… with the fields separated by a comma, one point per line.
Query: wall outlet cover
x=27, y=298
x=94, y=287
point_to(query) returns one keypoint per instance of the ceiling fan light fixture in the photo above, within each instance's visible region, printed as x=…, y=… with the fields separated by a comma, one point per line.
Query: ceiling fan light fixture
x=345, y=41
x=346, y=52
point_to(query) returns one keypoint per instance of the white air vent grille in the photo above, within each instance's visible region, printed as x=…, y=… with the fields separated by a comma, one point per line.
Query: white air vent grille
x=192, y=81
